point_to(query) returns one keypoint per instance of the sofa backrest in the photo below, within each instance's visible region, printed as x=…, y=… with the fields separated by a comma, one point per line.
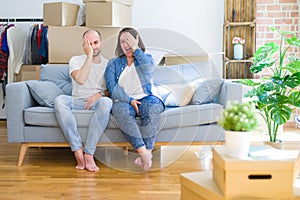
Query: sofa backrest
x=182, y=73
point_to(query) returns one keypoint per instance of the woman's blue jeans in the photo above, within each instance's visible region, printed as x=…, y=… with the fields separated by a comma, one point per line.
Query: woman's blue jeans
x=64, y=105
x=149, y=111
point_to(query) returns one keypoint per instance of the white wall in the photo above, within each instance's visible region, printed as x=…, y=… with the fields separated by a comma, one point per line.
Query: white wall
x=198, y=20
x=175, y=26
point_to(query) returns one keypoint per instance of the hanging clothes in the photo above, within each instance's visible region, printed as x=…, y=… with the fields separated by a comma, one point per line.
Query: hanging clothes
x=27, y=51
x=34, y=46
x=43, y=50
x=16, y=38
x=4, y=51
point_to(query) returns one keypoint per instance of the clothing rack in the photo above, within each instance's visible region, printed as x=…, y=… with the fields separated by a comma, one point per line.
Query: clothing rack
x=21, y=20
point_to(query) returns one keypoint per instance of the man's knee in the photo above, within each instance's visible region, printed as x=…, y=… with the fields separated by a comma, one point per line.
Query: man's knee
x=59, y=100
x=104, y=103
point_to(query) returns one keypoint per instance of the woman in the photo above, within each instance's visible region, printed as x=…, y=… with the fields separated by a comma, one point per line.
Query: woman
x=128, y=78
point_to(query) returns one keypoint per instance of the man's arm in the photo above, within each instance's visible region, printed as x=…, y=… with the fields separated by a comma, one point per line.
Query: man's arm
x=81, y=75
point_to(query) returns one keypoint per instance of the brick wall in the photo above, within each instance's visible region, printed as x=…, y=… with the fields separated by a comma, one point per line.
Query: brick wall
x=282, y=14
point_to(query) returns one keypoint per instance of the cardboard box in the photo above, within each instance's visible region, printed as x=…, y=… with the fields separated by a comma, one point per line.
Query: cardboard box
x=260, y=178
x=28, y=72
x=176, y=59
x=201, y=186
x=66, y=41
x=60, y=14
x=107, y=14
x=125, y=2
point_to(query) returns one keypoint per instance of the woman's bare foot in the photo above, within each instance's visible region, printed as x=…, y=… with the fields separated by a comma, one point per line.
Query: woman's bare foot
x=138, y=161
x=80, y=159
x=90, y=164
x=145, y=159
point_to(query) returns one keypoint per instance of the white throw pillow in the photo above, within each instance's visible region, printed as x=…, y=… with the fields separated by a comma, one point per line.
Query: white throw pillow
x=176, y=94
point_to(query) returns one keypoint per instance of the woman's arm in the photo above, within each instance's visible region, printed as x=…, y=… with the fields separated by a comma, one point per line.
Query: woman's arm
x=142, y=58
x=117, y=92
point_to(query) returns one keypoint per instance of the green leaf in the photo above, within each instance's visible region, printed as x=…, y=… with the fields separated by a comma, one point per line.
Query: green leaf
x=294, y=98
x=280, y=113
x=293, y=80
x=293, y=66
x=248, y=82
x=263, y=57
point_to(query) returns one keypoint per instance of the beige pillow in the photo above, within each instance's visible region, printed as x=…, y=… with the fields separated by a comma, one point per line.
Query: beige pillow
x=177, y=94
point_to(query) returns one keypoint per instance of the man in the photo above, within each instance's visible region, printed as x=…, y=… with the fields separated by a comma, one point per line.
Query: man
x=87, y=73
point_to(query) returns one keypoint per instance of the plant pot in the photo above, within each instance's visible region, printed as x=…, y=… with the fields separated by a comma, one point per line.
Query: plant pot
x=237, y=144
x=238, y=51
x=277, y=145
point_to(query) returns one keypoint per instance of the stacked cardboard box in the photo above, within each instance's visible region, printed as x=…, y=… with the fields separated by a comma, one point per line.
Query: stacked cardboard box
x=65, y=42
x=28, y=72
x=108, y=12
x=60, y=14
x=107, y=16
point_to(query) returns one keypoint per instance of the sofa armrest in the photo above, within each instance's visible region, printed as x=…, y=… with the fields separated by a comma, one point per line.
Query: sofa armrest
x=17, y=98
x=230, y=92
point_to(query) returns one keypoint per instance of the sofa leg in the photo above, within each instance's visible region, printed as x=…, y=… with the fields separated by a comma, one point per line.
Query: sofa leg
x=22, y=154
x=125, y=150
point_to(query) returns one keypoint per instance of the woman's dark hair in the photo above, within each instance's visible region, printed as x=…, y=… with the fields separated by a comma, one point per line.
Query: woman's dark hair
x=134, y=33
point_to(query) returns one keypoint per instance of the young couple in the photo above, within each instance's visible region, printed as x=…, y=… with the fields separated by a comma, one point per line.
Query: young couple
x=127, y=78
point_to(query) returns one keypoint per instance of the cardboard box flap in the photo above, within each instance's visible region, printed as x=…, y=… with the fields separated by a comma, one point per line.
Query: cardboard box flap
x=125, y=2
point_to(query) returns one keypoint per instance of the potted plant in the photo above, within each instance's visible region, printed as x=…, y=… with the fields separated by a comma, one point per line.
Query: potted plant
x=276, y=96
x=238, y=120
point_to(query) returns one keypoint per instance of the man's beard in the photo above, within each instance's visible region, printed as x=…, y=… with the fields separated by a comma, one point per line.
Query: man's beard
x=97, y=53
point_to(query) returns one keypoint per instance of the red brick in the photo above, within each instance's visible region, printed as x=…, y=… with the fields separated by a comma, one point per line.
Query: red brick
x=265, y=1
x=277, y=14
x=283, y=21
x=290, y=7
x=294, y=14
x=287, y=1
x=273, y=7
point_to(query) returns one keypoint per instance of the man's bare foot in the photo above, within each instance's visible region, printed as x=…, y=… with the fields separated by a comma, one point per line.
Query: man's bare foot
x=80, y=159
x=90, y=163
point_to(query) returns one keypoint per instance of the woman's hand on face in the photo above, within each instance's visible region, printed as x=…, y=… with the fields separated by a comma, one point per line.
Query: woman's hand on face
x=131, y=41
x=134, y=103
x=87, y=48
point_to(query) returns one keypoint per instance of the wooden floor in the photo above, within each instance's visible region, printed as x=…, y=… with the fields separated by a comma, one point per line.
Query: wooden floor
x=48, y=173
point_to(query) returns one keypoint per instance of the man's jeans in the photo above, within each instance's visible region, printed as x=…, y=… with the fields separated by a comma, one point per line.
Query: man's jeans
x=149, y=111
x=63, y=110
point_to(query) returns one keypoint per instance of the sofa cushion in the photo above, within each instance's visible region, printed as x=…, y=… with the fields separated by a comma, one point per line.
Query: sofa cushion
x=190, y=115
x=59, y=74
x=44, y=92
x=176, y=94
x=206, y=90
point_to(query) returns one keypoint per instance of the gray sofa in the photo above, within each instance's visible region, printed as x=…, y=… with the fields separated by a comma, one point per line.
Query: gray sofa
x=33, y=124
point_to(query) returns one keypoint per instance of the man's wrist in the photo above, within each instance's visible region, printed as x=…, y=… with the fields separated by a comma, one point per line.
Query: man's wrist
x=102, y=93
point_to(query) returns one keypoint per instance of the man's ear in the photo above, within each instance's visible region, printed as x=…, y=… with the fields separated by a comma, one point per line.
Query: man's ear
x=101, y=43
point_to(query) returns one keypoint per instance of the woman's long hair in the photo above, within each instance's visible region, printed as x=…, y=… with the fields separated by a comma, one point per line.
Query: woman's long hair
x=119, y=52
